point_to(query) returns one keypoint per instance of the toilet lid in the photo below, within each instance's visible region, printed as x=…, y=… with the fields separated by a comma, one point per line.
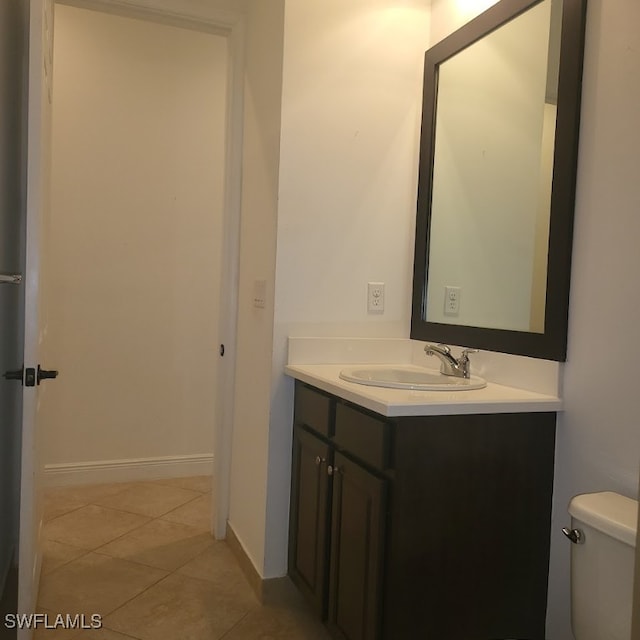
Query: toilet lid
x=608, y=512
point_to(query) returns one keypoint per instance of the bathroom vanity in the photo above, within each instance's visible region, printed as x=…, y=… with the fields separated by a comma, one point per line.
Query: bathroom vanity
x=432, y=526
x=419, y=515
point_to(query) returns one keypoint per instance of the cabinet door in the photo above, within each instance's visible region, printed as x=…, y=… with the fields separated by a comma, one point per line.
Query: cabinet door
x=357, y=548
x=309, y=517
x=468, y=554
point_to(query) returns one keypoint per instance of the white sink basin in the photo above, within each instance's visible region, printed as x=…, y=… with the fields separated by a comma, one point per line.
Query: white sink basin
x=409, y=377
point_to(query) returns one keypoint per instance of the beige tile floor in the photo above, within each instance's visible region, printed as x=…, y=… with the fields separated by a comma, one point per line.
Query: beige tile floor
x=141, y=555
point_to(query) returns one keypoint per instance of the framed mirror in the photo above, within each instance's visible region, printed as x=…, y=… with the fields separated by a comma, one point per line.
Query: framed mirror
x=496, y=188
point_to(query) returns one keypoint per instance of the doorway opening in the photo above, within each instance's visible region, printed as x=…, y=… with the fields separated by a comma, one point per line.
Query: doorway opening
x=144, y=245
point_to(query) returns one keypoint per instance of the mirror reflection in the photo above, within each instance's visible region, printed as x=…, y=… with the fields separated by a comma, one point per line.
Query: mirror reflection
x=494, y=134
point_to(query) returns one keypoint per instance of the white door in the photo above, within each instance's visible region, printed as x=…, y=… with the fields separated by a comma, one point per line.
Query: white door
x=38, y=120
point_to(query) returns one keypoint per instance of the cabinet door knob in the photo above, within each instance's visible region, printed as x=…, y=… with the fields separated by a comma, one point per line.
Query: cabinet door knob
x=333, y=470
x=319, y=461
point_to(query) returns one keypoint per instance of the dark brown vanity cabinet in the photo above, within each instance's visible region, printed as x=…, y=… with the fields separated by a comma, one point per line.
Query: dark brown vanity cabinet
x=310, y=516
x=337, y=522
x=358, y=517
x=433, y=527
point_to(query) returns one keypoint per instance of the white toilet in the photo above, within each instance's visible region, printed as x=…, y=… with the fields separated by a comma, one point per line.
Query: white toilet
x=602, y=563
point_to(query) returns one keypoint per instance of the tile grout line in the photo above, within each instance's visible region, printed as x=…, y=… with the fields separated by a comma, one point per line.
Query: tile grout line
x=91, y=504
x=126, y=533
x=104, y=615
x=142, y=564
x=125, y=635
x=137, y=513
x=165, y=483
x=66, y=513
x=151, y=519
x=95, y=549
x=64, y=564
x=226, y=633
x=175, y=572
x=122, y=510
x=167, y=572
x=153, y=584
x=182, y=505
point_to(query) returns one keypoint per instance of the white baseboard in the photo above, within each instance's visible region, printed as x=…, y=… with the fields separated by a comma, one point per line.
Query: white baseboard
x=128, y=470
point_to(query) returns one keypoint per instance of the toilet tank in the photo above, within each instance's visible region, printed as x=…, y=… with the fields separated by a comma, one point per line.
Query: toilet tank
x=602, y=565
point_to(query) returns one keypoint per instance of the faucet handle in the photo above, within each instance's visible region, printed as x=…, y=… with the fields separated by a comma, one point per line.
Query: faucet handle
x=441, y=347
x=465, y=363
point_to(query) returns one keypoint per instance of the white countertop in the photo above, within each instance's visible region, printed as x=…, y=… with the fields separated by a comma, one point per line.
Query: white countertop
x=494, y=398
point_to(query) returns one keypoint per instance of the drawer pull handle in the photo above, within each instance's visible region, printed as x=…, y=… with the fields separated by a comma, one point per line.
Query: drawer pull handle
x=332, y=471
x=319, y=461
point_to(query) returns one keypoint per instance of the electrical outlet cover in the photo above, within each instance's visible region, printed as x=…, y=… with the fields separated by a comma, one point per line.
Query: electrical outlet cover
x=451, y=301
x=375, y=297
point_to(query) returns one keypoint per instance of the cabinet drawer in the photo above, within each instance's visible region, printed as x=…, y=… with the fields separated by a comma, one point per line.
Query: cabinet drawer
x=362, y=435
x=313, y=410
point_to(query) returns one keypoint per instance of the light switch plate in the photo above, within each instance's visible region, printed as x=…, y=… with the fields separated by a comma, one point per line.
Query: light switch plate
x=259, y=293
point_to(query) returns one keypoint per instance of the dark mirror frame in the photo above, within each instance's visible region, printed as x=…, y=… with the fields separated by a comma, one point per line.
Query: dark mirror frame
x=552, y=344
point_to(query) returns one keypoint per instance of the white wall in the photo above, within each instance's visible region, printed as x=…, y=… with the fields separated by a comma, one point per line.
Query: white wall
x=250, y=444
x=139, y=116
x=351, y=105
x=347, y=90
x=598, y=434
x=449, y=15
x=351, y=108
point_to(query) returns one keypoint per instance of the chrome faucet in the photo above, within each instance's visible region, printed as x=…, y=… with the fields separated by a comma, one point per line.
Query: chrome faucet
x=451, y=366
